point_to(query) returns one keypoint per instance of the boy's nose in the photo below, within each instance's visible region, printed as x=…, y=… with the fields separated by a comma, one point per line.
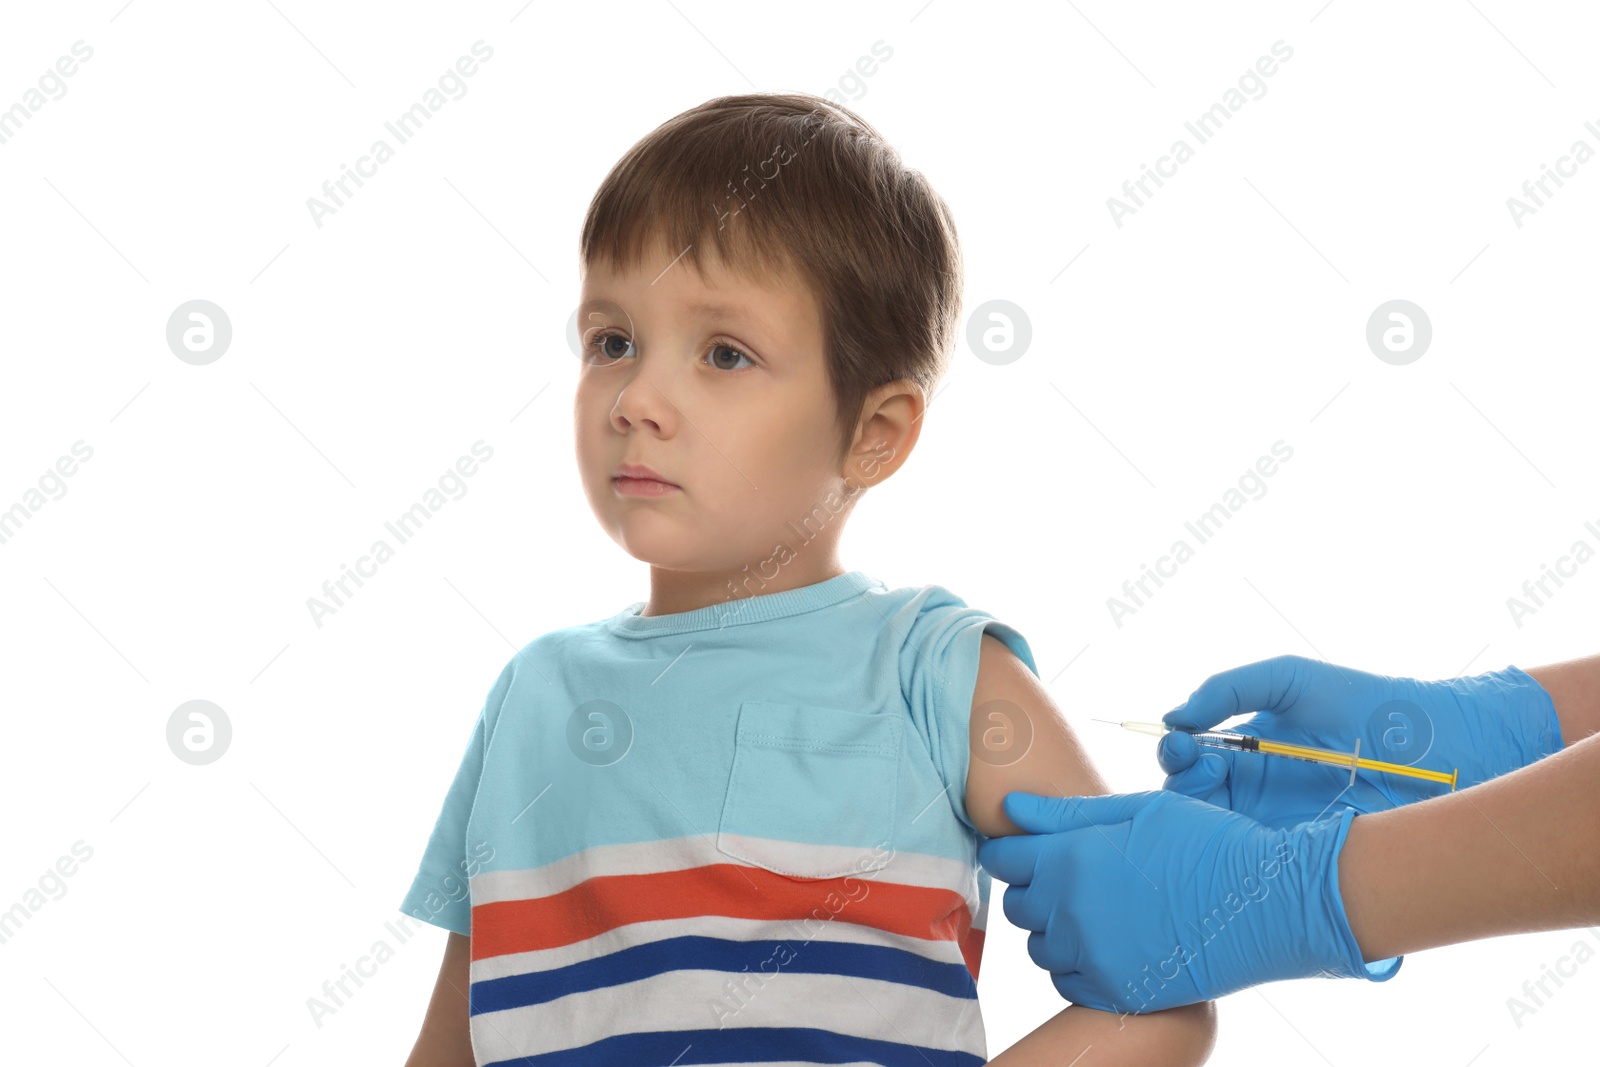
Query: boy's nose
x=641, y=403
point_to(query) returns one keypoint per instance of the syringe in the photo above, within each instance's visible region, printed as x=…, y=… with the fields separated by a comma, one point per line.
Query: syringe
x=1246, y=743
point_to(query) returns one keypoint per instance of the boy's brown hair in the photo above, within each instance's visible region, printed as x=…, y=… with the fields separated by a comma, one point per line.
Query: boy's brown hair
x=794, y=182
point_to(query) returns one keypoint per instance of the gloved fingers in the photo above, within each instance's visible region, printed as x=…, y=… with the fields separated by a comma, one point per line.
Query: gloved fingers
x=1047, y=815
x=1206, y=779
x=1267, y=685
x=1177, y=751
x=1138, y=995
x=1011, y=859
x=1027, y=908
x=1037, y=814
x=1051, y=952
x=1080, y=990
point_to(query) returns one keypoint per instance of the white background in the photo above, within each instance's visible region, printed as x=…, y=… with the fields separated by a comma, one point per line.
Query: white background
x=428, y=313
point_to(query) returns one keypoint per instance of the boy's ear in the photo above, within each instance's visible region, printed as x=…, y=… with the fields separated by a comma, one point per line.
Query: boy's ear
x=891, y=420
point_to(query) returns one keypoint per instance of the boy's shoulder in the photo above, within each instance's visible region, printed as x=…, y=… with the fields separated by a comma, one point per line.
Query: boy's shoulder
x=552, y=645
x=937, y=624
x=933, y=608
x=927, y=597
x=541, y=657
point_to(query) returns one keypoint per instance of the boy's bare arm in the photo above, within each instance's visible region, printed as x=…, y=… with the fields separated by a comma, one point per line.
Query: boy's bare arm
x=446, y=1039
x=1012, y=711
x=1084, y=1037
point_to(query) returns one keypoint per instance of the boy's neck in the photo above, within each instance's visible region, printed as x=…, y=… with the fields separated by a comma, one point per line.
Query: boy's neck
x=672, y=592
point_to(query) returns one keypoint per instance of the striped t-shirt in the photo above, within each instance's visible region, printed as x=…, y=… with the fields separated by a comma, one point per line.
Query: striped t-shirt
x=735, y=834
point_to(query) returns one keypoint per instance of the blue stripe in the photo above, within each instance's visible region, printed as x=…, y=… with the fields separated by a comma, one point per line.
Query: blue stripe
x=720, y=954
x=747, y=1045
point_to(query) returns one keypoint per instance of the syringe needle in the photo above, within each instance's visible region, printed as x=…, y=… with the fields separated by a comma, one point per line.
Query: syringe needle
x=1154, y=729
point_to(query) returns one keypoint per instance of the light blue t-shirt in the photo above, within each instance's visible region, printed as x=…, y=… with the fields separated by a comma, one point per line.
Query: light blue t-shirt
x=732, y=834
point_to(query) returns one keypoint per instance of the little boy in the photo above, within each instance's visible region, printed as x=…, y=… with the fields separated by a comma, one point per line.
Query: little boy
x=737, y=823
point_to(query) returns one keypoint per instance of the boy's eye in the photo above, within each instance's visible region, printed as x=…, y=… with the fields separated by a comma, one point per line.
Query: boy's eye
x=719, y=353
x=609, y=347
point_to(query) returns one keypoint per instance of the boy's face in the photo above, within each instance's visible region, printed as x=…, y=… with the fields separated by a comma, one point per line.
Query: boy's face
x=718, y=384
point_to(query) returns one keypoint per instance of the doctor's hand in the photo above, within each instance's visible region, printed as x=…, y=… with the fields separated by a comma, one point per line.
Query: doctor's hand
x=1148, y=901
x=1482, y=726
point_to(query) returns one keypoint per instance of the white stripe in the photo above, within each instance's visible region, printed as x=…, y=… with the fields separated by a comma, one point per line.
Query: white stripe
x=682, y=1000
x=681, y=853
x=734, y=929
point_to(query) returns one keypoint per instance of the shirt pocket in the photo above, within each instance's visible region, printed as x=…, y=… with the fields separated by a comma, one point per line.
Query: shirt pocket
x=812, y=791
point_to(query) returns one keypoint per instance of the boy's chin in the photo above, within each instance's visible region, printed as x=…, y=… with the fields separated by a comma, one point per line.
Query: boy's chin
x=660, y=554
x=658, y=551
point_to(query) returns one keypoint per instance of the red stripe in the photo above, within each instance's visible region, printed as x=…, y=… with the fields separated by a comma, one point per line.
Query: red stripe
x=604, y=903
x=972, y=951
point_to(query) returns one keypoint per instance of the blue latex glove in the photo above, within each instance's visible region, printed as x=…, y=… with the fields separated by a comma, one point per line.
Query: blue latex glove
x=1482, y=726
x=1153, y=900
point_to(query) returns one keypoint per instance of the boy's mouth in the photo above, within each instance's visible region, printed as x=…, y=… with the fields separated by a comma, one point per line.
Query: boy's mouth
x=632, y=479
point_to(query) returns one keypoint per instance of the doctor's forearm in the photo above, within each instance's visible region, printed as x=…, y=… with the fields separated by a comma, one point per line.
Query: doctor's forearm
x=1513, y=855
